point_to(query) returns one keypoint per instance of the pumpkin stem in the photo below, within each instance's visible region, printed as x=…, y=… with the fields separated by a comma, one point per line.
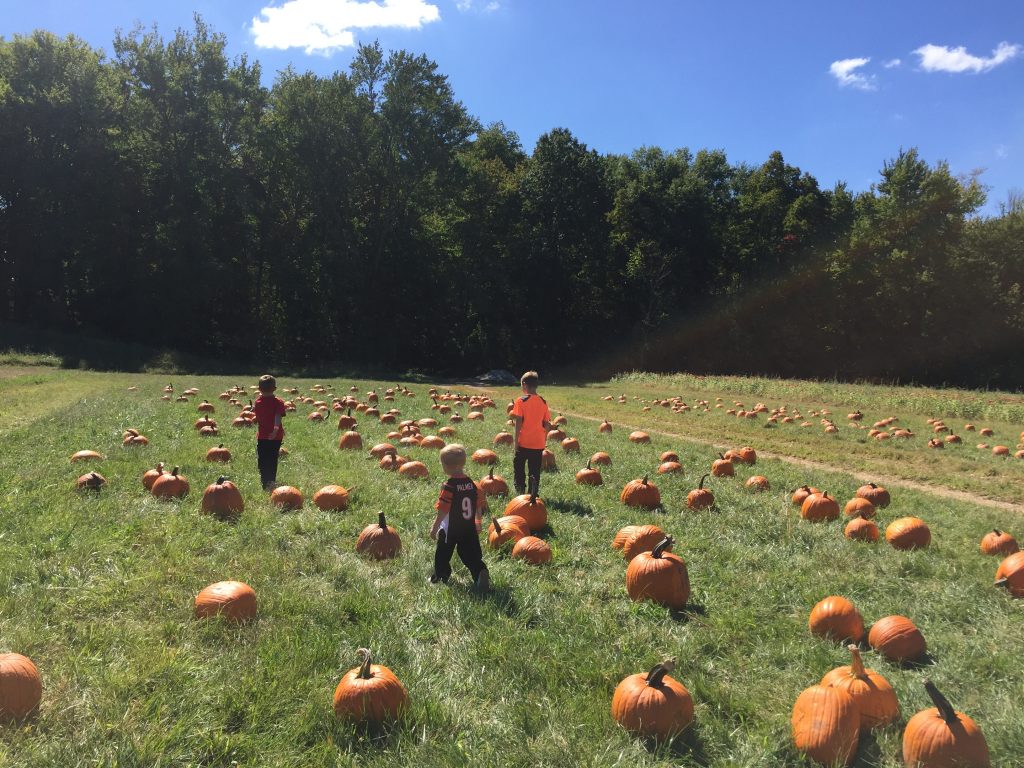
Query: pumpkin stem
x=997, y=532
x=941, y=703
x=1001, y=582
x=662, y=545
x=497, y=528
x=657, y=674
x=383, y=525
x=856, y=663
x=221, y=479
x=221, y=445
x=588, y=463
x=490, y=473
x=364, y=667
x=644, y=481
x=175, y=471
x=700, y=485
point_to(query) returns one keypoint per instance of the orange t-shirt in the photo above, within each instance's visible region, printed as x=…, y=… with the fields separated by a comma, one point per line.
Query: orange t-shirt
x=534, y=411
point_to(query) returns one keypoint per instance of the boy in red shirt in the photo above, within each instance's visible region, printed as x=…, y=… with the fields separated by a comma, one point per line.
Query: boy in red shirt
x=532, y=421
x=459, y=517
x=269, y=412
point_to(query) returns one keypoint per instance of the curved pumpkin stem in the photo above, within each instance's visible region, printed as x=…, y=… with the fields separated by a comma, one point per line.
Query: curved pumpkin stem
x=656, y=676
x=383, y=525
x=997, y=532
x=700, y=485
x=221, y=479
x=497, y=528
x=366, y=659
x=175, y=471
x=941, y=703
x=856, y=663
x=662, y=545
x=220, y=446
x=644, y=480
x=588, y=464
x=490, y=473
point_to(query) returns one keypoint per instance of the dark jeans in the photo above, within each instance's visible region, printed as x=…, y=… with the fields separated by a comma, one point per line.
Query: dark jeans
x=523, y=457
x=469, y=553
x=266, y=459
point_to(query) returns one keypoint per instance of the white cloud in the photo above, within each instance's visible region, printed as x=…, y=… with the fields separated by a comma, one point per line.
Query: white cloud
x=1002, y=152
x=469, y=5
x=892, y=63
x=845, y=72
x=324, y=26
x=941, y=58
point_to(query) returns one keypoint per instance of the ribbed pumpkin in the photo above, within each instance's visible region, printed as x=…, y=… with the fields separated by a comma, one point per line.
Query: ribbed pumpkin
x=800, y=494
x=589, y=476
x=641, y=493
x=485, y=456
x=21, y=688
x=531, y=508
x=380, y=450
x=876, y=494
x=503, y=438
x=858, y=507
x=86, y=456
x=700, y=497
x=623, y=535
x=908, y=533
x=286, y=497
x=639, y=437
x=571, y=445
x=819, y=507
x=150, y=475
x=370, y=693
x=493, y=485
x=505, y=529
x=350, y=441
x=547, y=461
x=654, y=704
x=533, y=550
x=223, y=500
x=997, y=542
x=170, y=485
x=836, y=618
x=876, y=700
x=660, y=576
x=668, y=456
x=826, y=725
x=91, y=481
x=896, y=638
x=379, y=540
x=757, y=484
x=218, y=454
x=234, y=600
x=331, y=497
x=601, y=459
x=941, y=737
x=643, y=538
x=722, y=467
x=414, y=470
x=860, y=529
x=1010, y=574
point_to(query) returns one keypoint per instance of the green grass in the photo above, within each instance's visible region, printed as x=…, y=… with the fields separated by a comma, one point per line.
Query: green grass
x=98, y=591
x=962, y=467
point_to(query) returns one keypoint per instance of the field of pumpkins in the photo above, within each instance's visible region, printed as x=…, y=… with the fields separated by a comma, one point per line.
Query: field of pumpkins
x=658, y=603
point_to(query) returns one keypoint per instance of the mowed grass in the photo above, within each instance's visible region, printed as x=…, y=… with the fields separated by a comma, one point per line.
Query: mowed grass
x=962, y=467
x=98, y=590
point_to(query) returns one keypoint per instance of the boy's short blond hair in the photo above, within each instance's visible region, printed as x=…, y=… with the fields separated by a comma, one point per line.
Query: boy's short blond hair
x=267, y=383
x=530, y=380
x=453, y=456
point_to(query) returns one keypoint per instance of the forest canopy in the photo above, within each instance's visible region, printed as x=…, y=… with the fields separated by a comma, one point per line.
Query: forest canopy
x=163, y=196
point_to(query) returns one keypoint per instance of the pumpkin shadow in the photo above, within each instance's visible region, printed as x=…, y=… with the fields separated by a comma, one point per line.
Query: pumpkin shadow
x=685, y=615
x=922, y=662
x=869, y=752
x=688, y=746
x=571, y=507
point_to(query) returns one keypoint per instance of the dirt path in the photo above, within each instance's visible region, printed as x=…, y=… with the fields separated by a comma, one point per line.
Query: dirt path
x=934, y=490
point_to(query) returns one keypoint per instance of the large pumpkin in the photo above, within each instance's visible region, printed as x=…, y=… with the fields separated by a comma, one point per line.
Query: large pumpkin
x=220, y=454
x=414, y=469
x=150, y=475
x=641, y=493
x=332, y=497
x=532, y=549
x=1010, y=574
x=659, y=576
x=826, y=725
x=234, y=600
x=484, y=456
x=350, y=441
x=223, y=500
x=896, y=638
x=819, y=507
x=286, y=497
x=379, y=541
x=493, y=485
x=21, y=688
x=370, y=693
x=654, y=704
x=531, y=508
x=639, y=437
x=589, y=476
x=836, y=618
x=941, y=737
x=722, y=467
x=876, y=494
x=876, y=700
x=170, y=485
x=908, y=533
x=860, y=529
x=506, y=529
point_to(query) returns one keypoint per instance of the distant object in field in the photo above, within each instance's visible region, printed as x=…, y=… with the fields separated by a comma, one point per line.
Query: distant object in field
x=497, y=377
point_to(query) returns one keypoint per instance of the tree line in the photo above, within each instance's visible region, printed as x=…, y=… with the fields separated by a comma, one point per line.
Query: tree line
x=163, y=196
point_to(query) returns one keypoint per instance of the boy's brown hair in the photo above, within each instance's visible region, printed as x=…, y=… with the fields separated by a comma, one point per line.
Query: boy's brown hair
x=267, y=383
x=453, y=456
x=530, y=380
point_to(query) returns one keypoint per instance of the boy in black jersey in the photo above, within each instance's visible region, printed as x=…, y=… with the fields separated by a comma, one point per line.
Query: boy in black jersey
x=459, y=518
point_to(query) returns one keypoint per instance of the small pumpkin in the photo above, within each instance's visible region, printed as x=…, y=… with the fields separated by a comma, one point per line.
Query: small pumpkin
x=700, y=497
x=826, y=725
x=149, y=476
x=896, y=638
x=91, y=481
x=669, y=467
x=861, y=529
x=876, y=494
x=654, y=705
x=286, y=497
x=170, y=485
x=668, y=456
x=414, y=470
x=548, y=462
x=485, y=456
x=21, y=688
x=836, y=618
x=941, y=737
x=503, y=438
x=379, y=540
x=875, y=698
x=531, y=508
x=571, y=445
x=392, y=462
x=639, y=437
x=223, y=500
x=997, y=542
x=800, y=494
x=722, y=467
x=350, y=441
x=659, y=576
x=819, y=507
x=623, y=534
x=747, y=455
x=605, y=427
x=219, y=454
x=641, y=493
x=601, y=459
x=908, y=533
x=233, y=600
x=644, y=538
x=332, y=497
x=858, y=507
x=493, y=485
x=757, y=484
x=505, y=529
x=589, y=476
x=533, y=550
x=86, y=456
x=1010, y=574
x=370, y=693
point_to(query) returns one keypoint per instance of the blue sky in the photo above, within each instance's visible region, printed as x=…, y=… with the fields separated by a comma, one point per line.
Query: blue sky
x=747, y=77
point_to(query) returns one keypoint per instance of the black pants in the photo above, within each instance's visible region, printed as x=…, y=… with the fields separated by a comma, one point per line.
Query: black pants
x=468, y=547
x=523, y=457
x=266, y=459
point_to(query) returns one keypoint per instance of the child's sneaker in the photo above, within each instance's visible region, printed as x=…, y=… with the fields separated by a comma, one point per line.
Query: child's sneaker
x=483, y=581
x=435, y=579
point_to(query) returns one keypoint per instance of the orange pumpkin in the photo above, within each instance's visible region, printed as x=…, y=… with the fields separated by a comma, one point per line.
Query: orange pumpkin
x=21, y=688
x=700, y=497
x=639, y=437
x=170, y=485
x=826, y=725
x=757, y=483
x=286, y=497
x=908, y=533
x=485, y=456
x=505, y=529
x=659, y=576
x=896, y=638
x=91, y=481
x=223, y=500
x=531, y=508
x=1010, y=574
x=641, y=493
x=860, y=529
x=836, y=618
x=414, y=470
x=941, y=737
x=819, y=507
x=233, y=600
x=644, y=538
x=589, y=476
x=997, y=542
x=722, y=467
x=876, y=494
x=350, y=441
x=858, y=507
x=149, y=477
x=379, y=541
x=493, y=485
x=654, y=704
x=876, y=700
x=533, y=550
x=800, y=494
x=332, y=497
x=601, y=459
x=370, y=693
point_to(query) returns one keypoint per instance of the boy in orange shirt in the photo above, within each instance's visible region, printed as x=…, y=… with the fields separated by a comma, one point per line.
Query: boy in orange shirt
x=459, y=519
x=532, y=421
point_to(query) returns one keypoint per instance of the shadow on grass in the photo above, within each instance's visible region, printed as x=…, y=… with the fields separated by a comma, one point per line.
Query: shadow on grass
x=500, y=597
x=921, y=662
x=571, y=507
x=688, y=746
x=868, y=751
x=684, y=615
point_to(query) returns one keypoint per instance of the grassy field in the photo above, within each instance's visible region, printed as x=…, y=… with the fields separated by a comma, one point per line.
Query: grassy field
x=959, y=466
x=98, y=591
